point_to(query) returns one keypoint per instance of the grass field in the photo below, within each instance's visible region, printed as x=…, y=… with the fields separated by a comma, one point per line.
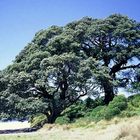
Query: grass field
x=116, y=129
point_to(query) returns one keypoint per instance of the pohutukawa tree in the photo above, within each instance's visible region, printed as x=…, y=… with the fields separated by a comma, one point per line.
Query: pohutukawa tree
x=61, y=64
x=115, y=42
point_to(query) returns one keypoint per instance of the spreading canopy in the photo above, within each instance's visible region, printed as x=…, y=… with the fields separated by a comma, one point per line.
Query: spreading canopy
x=61, y=64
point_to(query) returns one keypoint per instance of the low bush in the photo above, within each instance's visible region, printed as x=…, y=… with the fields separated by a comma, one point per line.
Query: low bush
x=115, y=107
x=90, y=103
x=119, y=101
x=62, y=120
x=4, y=117
x=97, y=113
x=134, y=100
x=111, y=112
x=83, y=112
x=127, y=113
x=75, y=111
x=38, y=120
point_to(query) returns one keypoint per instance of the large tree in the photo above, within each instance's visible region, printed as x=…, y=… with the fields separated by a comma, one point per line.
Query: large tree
x=45, y=80
x=59, y=82
x=115, y=42
x=61, y=64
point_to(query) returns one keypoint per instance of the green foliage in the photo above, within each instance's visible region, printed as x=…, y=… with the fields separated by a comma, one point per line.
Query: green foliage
x=90, y=103
x=135, y=85
x=75, y=111
x=119, y=101
x=96, y=114
x=115, y=107
x=38, y=120
x=111, y=112
x=128, y=113
x=4, y=116
x=135, y=100
x=61, y=64
x=133, y=107
x=83, y=109
x=62, y=120
x=120, y=107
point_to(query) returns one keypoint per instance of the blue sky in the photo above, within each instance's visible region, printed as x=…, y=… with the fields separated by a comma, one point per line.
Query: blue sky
x=21, y=19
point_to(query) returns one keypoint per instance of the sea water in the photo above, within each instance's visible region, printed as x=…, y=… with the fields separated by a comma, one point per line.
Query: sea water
x=11, y=125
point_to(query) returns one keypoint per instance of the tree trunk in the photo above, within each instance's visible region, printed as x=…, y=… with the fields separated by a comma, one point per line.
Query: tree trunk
x=55, y=111
x=109, y=93
x=52, y=118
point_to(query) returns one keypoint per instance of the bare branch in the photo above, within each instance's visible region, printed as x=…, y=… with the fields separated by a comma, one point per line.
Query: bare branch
x=131, y=66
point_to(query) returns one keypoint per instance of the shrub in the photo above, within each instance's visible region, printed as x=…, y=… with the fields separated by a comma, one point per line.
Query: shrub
x=111, y=112
x=119, y=101
x=38, y=120
x=75, y=111
x=115, y=107
x=91, y=103
x=62, y=120
x=134, y=100
x=128, y=113
x=4, y=116
x=97, y=113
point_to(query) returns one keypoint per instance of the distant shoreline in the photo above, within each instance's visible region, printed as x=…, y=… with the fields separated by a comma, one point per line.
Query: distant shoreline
x=25, y=130
x=14, y=125
x=11, y=127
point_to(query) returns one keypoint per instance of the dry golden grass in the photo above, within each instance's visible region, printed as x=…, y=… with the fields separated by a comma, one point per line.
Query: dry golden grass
x=130, y=130
x=116, y=129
